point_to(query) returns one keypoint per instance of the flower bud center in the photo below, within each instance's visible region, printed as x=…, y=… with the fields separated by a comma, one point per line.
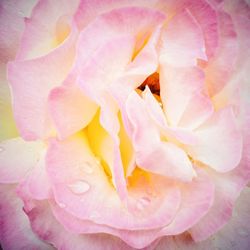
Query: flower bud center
x=153, y=83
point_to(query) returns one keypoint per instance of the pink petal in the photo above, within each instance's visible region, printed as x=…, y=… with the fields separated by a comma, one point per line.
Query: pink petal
x=183, y=241
x=42, y=31
x=157, y=114
x=31, y=82
x=144, y=64
x=74, y=188
x=36, y=183
x=197, y=198
x=206, y=16
x=184, y=89
x=198, y=110
x=15, y=231
x=227, y=190
x=235, y=234
x=104, y=67
x=173, y=161
x=89, y=9
x=12, y=15
x=122, y=42
x=17, y=157
x=154, y=107
x=182, y=38
x=70, y=109
x=220, y=142
x=219, y=70
x=49, y=229
x=130, y=21
x=136, y=239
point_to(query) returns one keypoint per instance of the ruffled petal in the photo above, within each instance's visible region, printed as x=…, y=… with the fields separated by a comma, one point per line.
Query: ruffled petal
x=220, y=129
x=184, y=89
x=172, y=161
x=70, y=109
x=76, y=180
x=182, y=38
x=130, y=21
x=183, y=241
x=36, y=184
x=104, y=67
x=235, y=234
x=206, y=16
x=15, y=230
x=45, y=225
x=12, y=15
x=219, y=69
x=157, y=114
x=48, y=26
x=31, y=81
x=197, y=199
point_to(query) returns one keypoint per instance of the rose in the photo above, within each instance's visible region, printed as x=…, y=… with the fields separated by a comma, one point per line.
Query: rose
x=99, y=157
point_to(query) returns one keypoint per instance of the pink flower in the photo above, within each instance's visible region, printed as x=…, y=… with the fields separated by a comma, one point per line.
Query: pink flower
x=130, y=126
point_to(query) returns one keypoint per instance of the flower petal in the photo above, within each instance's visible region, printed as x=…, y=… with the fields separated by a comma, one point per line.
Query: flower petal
x=45, y=225
x=17, y=157
x=219, y=70
x=47, y=27
x=182, y=38
x=219, y=142
x=197, y=198
x=74, y=188
x=105, y=67
x=31, y=81
x=15, y=231
x=70, y=109
x=184, y=89
x=130, y=21
x=12, y=15
x=206, y=16
x=36, y=183
x=157, y=114
x=227, y=190
x=172, y=160
x=235, y=234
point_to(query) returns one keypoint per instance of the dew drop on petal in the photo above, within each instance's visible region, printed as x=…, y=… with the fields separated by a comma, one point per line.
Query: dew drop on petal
x=243, y=233
x=21, y=14
x=142, y=203
x=94, y=215
x=62, y=205
x=79, y=187
x=98, y=161
x=87, y=168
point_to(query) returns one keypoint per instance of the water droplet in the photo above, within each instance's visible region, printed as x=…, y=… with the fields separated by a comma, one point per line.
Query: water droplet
x=98, y=160
x=21, y=14
x=87, y=168
x=79, y=187
x=243, y=233
x=62, y=205
x=142, y=203
x=94, y=215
